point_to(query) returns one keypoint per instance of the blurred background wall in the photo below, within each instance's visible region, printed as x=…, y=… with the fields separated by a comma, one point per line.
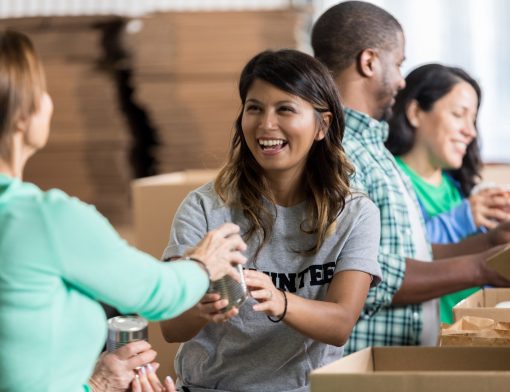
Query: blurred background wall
x=142, y=88
x=149, y=87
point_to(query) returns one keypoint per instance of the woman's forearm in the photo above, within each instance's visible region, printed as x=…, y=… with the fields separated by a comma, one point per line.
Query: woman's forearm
x=183, y=328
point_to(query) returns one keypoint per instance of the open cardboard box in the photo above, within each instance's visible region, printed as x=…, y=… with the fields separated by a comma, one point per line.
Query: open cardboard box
x=417, y=369
x=481, y=304
x=155, y=200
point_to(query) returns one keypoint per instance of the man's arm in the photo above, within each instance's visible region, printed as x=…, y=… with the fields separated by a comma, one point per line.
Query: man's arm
x=477, y=243
x=424, y=281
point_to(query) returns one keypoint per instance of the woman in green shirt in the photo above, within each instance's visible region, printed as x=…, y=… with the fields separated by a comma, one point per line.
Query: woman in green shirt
x=433, y=135
x=59, y=256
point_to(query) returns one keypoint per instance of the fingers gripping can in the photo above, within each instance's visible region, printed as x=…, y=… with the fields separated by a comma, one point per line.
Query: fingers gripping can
x=234, y=292
x=125, y=329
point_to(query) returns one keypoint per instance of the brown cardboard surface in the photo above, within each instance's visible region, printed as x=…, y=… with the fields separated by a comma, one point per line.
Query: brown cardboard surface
x=417, y=369
x=155, y=200
x=471, y=331
x=481, y=304
x=501, y=262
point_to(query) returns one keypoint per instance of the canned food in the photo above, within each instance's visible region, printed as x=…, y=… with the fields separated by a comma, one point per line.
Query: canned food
x=125, y=329
x=234, y=292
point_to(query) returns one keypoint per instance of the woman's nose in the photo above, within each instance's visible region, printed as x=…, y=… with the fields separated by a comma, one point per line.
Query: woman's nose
x=269, y=120
x=469, y=130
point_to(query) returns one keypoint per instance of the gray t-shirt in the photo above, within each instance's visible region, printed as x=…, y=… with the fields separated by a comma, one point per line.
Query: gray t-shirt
x=248, y=352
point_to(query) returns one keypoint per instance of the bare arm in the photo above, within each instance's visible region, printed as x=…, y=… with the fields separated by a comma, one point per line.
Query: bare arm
x=329, y=321
x=424, y=281
x=184, y=327
x=188, y=324
x=474, y=244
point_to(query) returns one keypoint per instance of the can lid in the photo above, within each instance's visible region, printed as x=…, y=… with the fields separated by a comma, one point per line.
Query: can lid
x=127, y=323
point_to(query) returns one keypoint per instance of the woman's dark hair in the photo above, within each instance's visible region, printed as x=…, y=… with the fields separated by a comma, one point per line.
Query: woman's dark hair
x=426, y=85
x=241, y=182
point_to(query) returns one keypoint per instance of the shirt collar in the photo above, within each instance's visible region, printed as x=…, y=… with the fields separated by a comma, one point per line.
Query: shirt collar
x=366, y=126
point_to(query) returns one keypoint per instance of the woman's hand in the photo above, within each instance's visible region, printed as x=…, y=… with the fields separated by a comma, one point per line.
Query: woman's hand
x=490, y=206
x=147, y=381
x=210, y=308
x=270, y=300
x=219, y=249
x=115, y=371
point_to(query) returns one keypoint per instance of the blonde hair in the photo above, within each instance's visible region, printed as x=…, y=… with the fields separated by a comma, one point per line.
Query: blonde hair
x=22, y=85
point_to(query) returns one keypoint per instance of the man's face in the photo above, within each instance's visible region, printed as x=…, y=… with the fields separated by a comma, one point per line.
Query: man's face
x=390, y=79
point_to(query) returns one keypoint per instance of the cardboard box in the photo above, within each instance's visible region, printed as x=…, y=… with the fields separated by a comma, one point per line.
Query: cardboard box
x=471, y=331
x=500, y=262
x=481, y=304
x=417, y=369
x=155, y=200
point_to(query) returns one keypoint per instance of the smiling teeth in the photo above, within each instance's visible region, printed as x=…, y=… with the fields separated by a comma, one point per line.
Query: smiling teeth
x=270, y=142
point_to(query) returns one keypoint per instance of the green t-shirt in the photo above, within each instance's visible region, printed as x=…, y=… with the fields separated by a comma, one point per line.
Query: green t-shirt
x=57, y=257
x=436, y=200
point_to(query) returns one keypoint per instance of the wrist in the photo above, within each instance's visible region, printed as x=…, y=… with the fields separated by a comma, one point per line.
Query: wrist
x=202, y=265
x=94, y=385
x=279, y=318
x=478, y=274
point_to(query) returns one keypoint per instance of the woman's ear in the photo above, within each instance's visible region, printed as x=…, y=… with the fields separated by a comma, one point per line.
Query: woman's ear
x=413, y=113
x=324, y=125
x=21, y=125
x=366, y=62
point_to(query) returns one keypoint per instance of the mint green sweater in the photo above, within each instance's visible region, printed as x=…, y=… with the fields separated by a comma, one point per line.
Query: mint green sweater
x=57, y=257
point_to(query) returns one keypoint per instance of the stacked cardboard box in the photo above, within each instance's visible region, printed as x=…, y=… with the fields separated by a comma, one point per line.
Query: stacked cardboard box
x=188, y=66
x=86, y=152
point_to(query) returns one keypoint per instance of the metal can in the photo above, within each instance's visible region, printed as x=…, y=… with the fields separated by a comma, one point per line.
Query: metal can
x=125, y=329
x=234, y=292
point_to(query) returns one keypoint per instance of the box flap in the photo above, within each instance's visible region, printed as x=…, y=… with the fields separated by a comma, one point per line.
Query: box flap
x=501, y=262
x=481, y=304
x=359, y=362
x=495, y=296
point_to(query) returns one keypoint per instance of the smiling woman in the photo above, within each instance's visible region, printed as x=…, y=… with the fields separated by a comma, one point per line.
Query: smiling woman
x=279, y=129
x=433, y=134
x=312, y=245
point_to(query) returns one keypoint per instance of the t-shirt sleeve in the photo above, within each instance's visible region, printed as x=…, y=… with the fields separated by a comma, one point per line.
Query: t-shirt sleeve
x=95, y=260
x=361, y=248
x=188, y=227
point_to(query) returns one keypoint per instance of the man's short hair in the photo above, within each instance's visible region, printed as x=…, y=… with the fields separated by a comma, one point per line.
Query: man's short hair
x=346, y=29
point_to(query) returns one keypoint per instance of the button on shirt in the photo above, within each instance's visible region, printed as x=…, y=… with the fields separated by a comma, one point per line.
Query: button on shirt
x=378, y=176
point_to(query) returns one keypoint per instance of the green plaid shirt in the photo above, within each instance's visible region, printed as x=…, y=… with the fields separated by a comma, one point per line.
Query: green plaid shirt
x=380, y=323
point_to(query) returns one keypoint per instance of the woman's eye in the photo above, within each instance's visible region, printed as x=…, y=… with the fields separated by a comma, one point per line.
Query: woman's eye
x=252, y=108
x=287, y=109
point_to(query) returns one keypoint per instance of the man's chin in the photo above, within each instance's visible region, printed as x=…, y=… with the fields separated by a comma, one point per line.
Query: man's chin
x=386, y=114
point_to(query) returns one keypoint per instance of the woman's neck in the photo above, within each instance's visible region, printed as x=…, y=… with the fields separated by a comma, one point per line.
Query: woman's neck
x=420, y=163
x=15, y=165
x=286, y=190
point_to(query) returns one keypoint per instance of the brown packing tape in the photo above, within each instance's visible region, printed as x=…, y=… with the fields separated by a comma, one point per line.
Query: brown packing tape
x=501, y=262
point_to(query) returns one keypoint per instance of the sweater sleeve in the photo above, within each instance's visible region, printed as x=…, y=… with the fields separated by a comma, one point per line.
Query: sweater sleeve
x=95, y=260
x=450, y=226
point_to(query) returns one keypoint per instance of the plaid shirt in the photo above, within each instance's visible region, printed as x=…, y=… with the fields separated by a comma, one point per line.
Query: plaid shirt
x=380, y=323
